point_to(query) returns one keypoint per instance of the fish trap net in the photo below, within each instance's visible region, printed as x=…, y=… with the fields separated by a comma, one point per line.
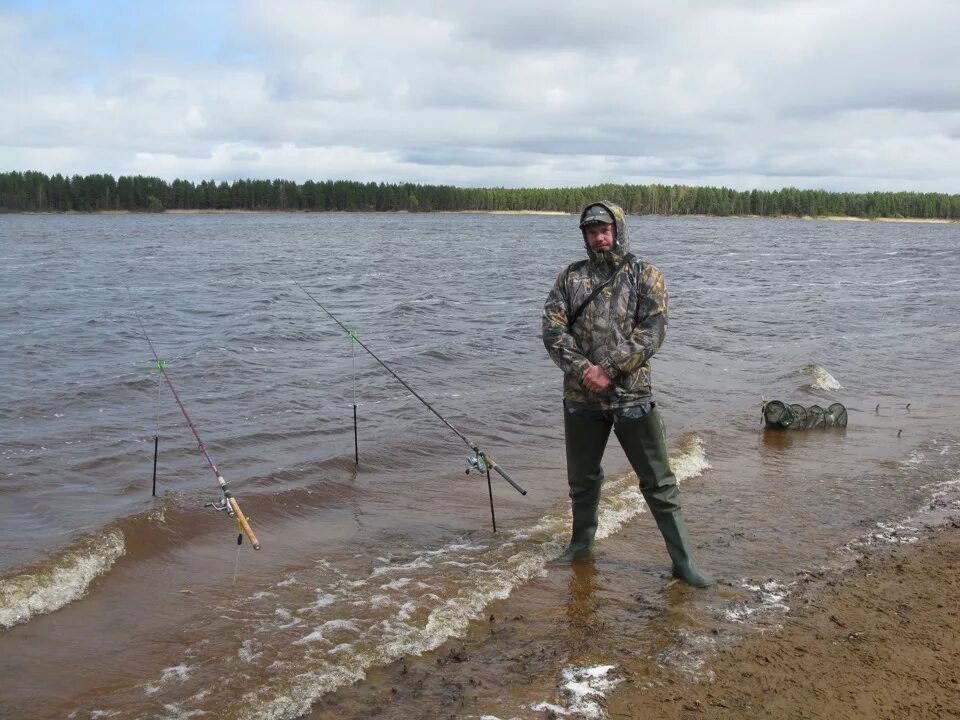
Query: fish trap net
x=778, y=415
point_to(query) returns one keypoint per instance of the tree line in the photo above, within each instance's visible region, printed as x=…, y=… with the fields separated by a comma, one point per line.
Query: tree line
x=37, y=192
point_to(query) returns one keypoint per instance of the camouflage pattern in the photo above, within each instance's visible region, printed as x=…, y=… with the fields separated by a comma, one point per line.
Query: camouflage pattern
x=621, y=328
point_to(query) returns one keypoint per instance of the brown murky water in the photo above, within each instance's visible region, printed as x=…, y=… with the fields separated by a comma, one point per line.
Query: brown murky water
x=380, y=590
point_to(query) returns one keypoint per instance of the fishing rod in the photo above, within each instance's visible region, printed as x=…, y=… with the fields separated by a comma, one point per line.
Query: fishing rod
x=481, y=461
x=227, y=501
x=156, y=432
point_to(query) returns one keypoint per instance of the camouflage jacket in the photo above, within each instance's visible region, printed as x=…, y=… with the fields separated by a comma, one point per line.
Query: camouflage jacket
x=621, y=328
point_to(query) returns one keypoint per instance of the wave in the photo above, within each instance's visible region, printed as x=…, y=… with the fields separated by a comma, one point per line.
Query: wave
x=66, y=576
x=60, y=580
x=822, y=380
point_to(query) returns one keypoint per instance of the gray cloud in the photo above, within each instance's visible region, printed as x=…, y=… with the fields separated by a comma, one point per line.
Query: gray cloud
x=844, y=95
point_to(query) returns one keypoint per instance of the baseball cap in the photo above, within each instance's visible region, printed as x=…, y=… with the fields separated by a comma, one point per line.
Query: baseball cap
x=596, y=215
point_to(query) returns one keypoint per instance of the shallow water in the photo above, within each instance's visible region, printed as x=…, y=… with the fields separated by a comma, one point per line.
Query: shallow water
x=117, y=604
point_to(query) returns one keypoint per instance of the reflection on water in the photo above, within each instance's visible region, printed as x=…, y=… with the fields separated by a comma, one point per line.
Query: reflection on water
x=581, y=606
x=777, y=439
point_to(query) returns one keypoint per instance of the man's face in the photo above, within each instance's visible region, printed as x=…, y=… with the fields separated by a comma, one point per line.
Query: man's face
x=601, y=237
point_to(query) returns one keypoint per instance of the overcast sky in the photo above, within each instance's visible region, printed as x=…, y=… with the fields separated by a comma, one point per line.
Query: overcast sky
x=835, y=94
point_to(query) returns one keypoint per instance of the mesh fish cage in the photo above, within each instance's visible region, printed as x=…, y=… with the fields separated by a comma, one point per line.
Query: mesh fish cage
x=838, y=415
x=799, y=416
x=816, y=417
x=778, y=415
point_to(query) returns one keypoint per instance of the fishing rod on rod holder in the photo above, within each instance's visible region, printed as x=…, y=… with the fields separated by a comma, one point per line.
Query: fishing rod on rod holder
x=479, y=461
x=227, y=501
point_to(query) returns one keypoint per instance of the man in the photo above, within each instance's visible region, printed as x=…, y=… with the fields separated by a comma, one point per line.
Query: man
x=603, y=320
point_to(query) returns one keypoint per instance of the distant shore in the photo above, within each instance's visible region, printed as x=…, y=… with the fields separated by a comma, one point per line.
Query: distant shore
x=837, y=218
x=851, y=218
x=244, y=211
x=240, y=211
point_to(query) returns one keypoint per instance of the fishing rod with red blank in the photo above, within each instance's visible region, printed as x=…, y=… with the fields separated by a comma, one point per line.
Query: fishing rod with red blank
x=479, y=461
x=227, y=501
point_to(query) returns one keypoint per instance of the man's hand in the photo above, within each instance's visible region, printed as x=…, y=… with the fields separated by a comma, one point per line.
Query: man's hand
x=596, y=379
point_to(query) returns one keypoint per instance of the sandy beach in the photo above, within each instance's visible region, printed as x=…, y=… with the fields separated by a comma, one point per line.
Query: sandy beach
x=879, y=641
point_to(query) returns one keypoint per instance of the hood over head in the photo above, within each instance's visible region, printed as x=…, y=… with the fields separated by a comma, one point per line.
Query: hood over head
x=606, y=212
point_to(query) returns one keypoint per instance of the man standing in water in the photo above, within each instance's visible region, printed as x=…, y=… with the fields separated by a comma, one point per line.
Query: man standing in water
x=603, y=320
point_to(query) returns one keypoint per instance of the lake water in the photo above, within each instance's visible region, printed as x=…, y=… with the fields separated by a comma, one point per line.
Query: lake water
x=117, y=604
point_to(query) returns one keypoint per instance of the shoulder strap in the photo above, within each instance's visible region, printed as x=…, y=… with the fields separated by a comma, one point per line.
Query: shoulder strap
x=566, y=278
x=572, y=318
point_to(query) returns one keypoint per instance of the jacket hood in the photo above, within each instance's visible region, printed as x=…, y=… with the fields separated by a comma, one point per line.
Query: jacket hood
x=621, y=245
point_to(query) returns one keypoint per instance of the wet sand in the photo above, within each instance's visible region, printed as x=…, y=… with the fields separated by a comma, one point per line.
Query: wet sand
x=879, y=641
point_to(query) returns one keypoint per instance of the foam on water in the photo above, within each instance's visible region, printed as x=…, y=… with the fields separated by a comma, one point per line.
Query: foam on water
x=626, y=501
x=583, y=690
x=822, y=380
x=175, y=712
x=176, y=674
x=62, y=580
x=945, y=494
x=690, y=654
x=766, y=596
x=247, y=652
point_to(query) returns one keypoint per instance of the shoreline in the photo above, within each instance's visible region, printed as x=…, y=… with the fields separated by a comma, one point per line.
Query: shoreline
x=880, y=640
x=240, y=211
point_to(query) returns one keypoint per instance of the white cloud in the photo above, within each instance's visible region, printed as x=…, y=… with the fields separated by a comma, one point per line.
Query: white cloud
x=844, y=95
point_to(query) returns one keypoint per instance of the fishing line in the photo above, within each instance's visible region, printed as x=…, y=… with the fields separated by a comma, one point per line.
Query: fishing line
x=480, y=461
x=227, y=501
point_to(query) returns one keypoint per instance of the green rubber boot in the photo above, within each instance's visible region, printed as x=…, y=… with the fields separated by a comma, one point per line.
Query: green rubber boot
x=642, y=439
x=586, y=439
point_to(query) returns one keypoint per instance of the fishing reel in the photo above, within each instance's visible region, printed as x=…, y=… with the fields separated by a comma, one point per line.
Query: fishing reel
x=478, y=462
x=221, y=504
x=224, y=504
